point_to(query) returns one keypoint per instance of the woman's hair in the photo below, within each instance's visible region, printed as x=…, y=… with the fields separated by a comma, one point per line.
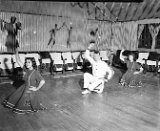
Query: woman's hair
x=32, y=59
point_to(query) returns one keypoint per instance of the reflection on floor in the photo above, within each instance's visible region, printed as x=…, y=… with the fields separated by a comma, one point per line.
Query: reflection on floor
x=117, y=109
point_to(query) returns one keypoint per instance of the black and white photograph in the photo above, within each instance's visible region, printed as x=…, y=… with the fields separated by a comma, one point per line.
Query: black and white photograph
x=80, y=65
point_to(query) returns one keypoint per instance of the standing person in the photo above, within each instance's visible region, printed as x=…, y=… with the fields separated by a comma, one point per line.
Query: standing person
x=26, y=98
x=95, y=81
x=132, y=77
x=12, y=30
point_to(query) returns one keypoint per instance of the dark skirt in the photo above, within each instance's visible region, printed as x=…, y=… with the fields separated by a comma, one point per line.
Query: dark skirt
x=11, y=43
x=129, y=79
x=23, y=101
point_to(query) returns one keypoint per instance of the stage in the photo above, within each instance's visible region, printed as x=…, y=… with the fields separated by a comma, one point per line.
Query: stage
x=117, y=109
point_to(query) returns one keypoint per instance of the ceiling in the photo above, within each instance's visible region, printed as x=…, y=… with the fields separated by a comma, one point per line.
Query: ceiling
x=122, y=11
x=107, y=11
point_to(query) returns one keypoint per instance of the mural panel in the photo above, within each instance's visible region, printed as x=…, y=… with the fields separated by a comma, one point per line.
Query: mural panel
x=71, y=34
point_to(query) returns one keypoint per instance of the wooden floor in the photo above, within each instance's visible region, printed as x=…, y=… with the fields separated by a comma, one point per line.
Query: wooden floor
x=117, y=109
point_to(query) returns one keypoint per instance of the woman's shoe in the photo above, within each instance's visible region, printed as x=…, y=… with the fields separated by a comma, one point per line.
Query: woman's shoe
x=140, y=85
x=132, y=86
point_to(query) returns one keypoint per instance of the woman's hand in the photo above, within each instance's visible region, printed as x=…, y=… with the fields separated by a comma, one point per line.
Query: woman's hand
x=32, y=88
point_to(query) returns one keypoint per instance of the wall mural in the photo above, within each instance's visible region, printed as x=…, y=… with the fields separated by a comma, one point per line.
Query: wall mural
x=53, y=34
x=12, y=29
x=125, y=36
x=48, y=33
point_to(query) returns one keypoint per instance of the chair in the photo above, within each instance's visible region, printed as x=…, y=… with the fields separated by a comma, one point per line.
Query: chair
x=103, y=55
x=142, y=57
x=68, y=60
x=78, y=61
x=6, y=64
x=45, y=61
x=57, y=62
x=152, y=62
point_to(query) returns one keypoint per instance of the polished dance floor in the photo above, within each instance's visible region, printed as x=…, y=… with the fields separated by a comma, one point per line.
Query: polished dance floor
x=117, y=109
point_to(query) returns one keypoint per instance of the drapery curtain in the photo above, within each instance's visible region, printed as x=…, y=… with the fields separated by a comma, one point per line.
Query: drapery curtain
x=124, y=36
x=154, y=32
x=117, y=35
x=140, y=29
x=104, y=34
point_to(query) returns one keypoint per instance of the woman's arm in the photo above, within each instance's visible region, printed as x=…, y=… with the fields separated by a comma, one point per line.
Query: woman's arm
x=41, y=83
x=122, y=57
x=18, y=60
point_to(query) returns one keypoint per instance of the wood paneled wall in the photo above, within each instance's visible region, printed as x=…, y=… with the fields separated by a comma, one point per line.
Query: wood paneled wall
x=125, y=36
x=35, y=35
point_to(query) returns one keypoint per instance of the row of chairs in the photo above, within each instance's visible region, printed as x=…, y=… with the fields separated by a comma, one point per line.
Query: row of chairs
x=51, y=61
x=150, y=61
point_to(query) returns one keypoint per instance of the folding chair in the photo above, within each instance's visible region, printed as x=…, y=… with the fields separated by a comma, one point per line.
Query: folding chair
x=142, y=57
x=68, y=61
x=103, y=55
x=152, y=62
x=45, y=62
x=78, y=61
x=57, y=62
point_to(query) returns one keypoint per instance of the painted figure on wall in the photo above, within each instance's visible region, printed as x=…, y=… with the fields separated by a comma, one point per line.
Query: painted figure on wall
x=53, y=34
x=94, y=32
x=69, y=36
x=12, y=29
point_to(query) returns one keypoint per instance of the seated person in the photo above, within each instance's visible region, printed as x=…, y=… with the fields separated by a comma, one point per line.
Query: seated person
x=132, y=77
x=95, y=81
